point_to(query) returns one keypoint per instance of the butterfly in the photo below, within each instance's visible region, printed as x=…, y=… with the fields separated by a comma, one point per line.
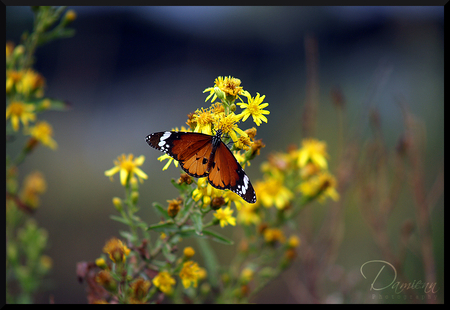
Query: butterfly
x=201, y=155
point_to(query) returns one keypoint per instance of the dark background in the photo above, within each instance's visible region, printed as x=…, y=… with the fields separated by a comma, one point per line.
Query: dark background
x=130, y=71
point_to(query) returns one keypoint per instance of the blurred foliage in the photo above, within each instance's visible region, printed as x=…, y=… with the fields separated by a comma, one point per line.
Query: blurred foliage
x=26, y=263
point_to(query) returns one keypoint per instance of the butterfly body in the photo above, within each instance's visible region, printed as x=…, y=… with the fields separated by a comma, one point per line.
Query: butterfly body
x=202, y=155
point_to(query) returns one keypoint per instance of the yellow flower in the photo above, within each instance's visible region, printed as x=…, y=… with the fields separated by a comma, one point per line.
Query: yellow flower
x=164, y=282
x=34, y=185
x=20, y=111
x=12, y=78
x=190, y=274
x=254, y=108
x=203, y=120
x=224, y=216
x=293, y=241
x=170, y=159
x=229, y=85
x=314, y=151
x=117, y=251
x=31, y=81
x=70, y=16
x=9, y=49
x=174, y=207
x=322, y=185
x=228, y=126
x=100, y=262
x=272, y=191
x=127, y=166
x=246, y=275
x=243, y=143
x=188, y=252
x=43, y=132
x=206, y=192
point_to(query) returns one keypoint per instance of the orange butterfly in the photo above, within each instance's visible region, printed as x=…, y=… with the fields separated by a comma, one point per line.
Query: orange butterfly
x=202, y=155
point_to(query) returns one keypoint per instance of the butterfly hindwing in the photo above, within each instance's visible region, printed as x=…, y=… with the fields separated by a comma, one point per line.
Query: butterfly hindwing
x=194, y=153
x=227, y=173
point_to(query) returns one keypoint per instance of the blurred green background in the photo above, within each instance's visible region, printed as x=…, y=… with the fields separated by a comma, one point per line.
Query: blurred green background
x=130, y=71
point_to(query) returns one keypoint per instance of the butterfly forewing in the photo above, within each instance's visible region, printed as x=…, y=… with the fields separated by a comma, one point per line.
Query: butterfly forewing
x=194, y=153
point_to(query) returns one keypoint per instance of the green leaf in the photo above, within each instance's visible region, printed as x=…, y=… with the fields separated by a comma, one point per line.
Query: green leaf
x=166, y=250
x=120, y=219
x=50, y=104
x=164, y=227
x=160, y=210
x=129, y=236
x=217, y=237
x=196, y=218
x=211, y=261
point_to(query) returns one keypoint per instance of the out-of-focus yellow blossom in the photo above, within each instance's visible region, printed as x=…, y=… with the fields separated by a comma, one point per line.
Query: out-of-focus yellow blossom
x=164, y=282
x=100, y=262
x=139, y=290
x=189, y=274
x=13, y=78
x=174, y=207
x=321, y=186
x=293, y=241
x=31, y=82
x=19, y=111
x=25, y=82
x=230, y=196
x=34, y=185
x=272, y=235
x=246, y=275
x=117, y=251
x=313, y=151
x=188, y=252
x=70, y=16
x=202, y=274
x=9, y=49
x=272, y=191
x=254, y=107
x=224, y=216
x=43, y=132
x=247, y=214
x=127, y=166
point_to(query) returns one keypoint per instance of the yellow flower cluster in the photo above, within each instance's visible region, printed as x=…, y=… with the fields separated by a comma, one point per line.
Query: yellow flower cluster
x=301, y=170
x=222, y=115
x=23, y=87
